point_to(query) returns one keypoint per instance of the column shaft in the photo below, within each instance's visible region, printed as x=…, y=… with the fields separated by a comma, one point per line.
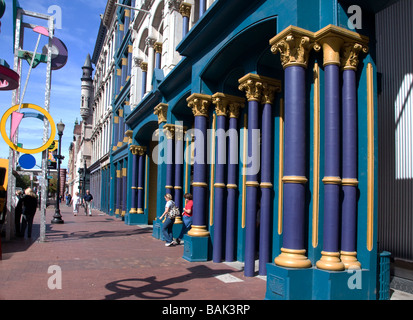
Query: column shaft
x=141, y=179
x=134, y=180
x=219, y=192
x=252, y=190
x=293, y=251
x=349, y=182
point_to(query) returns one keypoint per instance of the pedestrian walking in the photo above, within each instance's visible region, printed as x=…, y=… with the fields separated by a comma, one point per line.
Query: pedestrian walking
x=75, y=201
x=169, y=221
x=186, y=217
x=68, y=199
x=18, y=208
x=87, y=201
x=28, y=212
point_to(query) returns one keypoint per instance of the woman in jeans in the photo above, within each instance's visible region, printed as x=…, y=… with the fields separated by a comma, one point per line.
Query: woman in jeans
x=169, y=222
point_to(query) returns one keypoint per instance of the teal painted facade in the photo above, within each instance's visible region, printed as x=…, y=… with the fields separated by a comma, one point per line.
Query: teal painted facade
x=218, y=51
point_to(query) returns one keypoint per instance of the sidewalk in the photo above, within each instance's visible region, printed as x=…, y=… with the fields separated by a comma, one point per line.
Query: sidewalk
x=102, y=258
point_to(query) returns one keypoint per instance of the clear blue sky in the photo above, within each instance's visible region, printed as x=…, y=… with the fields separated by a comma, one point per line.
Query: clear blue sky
x=79, y=27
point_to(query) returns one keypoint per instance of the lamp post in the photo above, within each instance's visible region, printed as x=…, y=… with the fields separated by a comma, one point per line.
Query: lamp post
x=57, y=217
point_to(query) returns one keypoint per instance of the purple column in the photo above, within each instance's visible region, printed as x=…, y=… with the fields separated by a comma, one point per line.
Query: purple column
x=200, y=104
x=118, y=188
x=185, y=11
x=179, y=164
x=202, y=7
x=158, y=54
x=252, y=190
x=124, y=186
x=199, y=180
x=141, y=179
x=232, y=179
x=267, y=155
x=219, y=192
x=349, y=169
x=134, y=193
x=332, y=171
x=294, y=178
x=170, y=168
x=144, y=67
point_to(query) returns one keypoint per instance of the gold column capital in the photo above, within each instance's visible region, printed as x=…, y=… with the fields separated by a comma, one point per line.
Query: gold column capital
x=169, y=131
x=199, y=103
x=134, y=149
x=341, y=46
x=185, y=9
x=140, y=150
x=252, y=85
x=144, y=66
x=161, y=111
x=227, y=105
x=294, y=45
x=350, y=53
x=158, y=47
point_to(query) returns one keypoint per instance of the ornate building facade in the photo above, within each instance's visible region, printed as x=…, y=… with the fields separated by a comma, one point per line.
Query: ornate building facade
x=269, y=118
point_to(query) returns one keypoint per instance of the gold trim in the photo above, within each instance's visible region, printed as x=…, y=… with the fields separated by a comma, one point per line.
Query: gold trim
x=294, y=179
x=266, y=185
x=332, y=180
x=198, y=231
x=281, y=169
x=169, y=187
x=118, y=173
x=232, y=186
x=252, y=184
x=244, y=176
x=212, y=179
x=120, y=144
x=123, y=213
x=178, y=187
x=200, y=184
x=370, y=156
x=132, y=211
x=316, y=156
x=330, y=261
x=117, y=211
x=199, y=103
x=134, y=188
x=140, y=188
x=140, y=211
x=124, y=172
x=219, y=185
x=185, y=9
x=349, y=182
x=292, y=258
x=350, y=260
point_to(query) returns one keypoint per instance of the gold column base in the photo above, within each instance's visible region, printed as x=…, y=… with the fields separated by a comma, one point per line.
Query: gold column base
x=132, y=210
x=178, y=220
x=140, y=211
x=117, y=211
x=330, y=261
x=198, y=231
x=292, y=258
x=350, y=260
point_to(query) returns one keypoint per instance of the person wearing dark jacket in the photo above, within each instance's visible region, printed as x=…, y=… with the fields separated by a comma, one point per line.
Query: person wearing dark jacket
x=29, y=210
x=18, y=206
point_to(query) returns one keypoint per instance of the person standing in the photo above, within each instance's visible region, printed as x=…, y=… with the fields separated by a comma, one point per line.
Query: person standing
x=75, y=201
x=18, y=207
x=87, y=201
x=186, y=217
x=28, y=212
x=169, y=222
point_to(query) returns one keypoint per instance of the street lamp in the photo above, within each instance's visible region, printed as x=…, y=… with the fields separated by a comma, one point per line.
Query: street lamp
x=57, y=217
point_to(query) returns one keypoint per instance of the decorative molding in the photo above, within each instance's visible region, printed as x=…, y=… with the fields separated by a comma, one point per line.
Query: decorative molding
x=227, y=105
x=161, y=111
x=199, y=103
x=294, y=45
x=185, y=9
